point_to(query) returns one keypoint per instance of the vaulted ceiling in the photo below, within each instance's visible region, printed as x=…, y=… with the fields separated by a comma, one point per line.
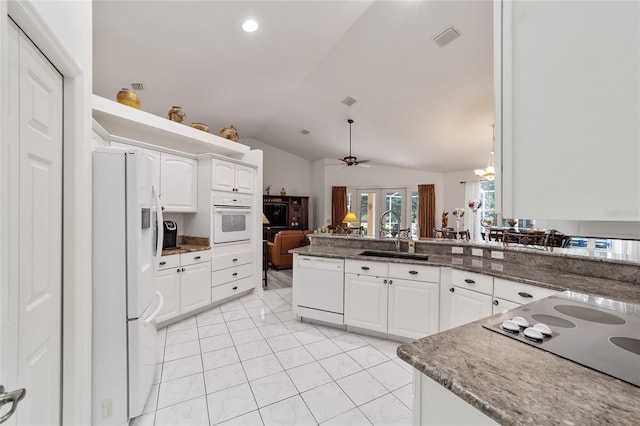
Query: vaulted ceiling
x=418, y=105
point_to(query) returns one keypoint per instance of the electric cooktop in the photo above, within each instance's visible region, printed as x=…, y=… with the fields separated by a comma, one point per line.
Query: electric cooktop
x=598, y=333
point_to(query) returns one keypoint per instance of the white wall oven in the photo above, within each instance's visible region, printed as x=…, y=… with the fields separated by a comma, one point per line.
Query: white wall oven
x=231, y=219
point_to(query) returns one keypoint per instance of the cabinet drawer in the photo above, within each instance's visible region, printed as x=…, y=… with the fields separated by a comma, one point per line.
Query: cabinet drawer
x=363, y=267
x=228, y=260
x=519, y=292
x=414, y=272
x=231, y=274
x=195, y=257
x=171, y=261
x=227, y=290
x=472, y=281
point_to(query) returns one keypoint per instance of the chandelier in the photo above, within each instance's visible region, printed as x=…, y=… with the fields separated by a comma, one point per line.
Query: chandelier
x=489, y=172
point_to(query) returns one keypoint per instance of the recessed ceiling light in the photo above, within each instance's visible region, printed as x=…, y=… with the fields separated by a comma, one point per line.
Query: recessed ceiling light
x=250, y=25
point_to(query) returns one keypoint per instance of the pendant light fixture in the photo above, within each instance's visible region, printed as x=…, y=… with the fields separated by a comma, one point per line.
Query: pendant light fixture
x=489, y=172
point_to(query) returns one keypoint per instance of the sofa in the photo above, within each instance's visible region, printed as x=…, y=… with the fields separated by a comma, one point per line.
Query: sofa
x=279, y=255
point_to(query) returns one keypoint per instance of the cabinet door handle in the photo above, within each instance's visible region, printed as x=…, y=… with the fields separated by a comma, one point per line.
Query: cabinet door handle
x=390, y=282
x=413, y=272
x=234, y=288
x=385, y=281
x=364, y=268
x=182, y=269
x=495, y=302
x=525, y=294
x=452, y=289
x=163, y=263
x=178, y=270
x=234, y=274
x=234, y=260
x=197, y=258
x=469, y=281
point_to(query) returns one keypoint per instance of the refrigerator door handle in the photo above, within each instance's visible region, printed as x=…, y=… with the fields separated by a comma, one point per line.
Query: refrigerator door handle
x=159, y=230
x=155, y=313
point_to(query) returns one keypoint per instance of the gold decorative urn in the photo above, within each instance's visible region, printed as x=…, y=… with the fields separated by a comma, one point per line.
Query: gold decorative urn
x=128, y=97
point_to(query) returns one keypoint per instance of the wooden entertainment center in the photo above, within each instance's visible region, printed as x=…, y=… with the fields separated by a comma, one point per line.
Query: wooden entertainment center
x=285, y=212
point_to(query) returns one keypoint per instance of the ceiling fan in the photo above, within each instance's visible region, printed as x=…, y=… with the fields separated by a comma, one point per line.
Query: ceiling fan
x=350, y=160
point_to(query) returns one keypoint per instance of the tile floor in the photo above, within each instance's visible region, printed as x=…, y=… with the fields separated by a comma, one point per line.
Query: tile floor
x=252, y=362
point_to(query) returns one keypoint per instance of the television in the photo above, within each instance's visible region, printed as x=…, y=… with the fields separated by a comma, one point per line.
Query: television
x=277, y=214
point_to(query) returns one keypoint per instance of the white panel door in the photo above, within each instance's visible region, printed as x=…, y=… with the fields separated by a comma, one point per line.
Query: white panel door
x=32, y=326
x=223, y=175
x=195, y=286
x=365, y=302
x=244, y=179
x=467, y=306
x=178, y=183
x=413, y=308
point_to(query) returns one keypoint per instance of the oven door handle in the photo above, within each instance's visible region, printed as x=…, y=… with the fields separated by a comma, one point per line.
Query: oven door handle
x=241, y=210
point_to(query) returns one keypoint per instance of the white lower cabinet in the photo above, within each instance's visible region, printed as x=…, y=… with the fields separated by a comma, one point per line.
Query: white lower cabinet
x=433, y=404
x=413, y=308
x=231, y=273
x=195, y=286
x=510, y=294
x=184, y=281
x=376, y=300
x=365, y=300
x=468, y=306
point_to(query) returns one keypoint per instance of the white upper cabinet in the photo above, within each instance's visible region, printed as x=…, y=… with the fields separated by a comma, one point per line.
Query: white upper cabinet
x=567, y=108
x=178, y=183
x=231, y=177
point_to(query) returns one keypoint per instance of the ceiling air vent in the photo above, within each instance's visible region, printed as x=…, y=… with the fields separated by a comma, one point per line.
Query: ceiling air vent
x=305, y=131
x=446, y=37
x=348, y=101
x=137, y=86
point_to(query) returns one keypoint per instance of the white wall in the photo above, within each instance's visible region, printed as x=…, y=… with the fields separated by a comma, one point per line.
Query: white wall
x=63, y=31
x=376, y=176
x=284, y=170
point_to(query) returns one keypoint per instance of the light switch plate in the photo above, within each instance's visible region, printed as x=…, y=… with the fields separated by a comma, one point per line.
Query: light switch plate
x=497, y=254
x=476, y=252
x=457, y=250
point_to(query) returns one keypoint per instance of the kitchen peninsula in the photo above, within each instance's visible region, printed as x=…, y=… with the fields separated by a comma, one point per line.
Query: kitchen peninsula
x=470, y=374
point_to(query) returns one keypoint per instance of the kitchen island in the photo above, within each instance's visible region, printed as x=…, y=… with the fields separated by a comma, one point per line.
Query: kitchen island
x=504, y=380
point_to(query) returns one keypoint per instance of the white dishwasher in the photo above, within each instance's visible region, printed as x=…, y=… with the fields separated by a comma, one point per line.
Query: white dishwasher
x=318, y=288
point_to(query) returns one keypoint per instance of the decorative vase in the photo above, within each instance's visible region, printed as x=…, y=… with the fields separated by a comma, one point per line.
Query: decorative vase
x=200, y=126
x=128, y=97
x=230, y=133
x=283, y=192
x=512, y=222
x=177, y=114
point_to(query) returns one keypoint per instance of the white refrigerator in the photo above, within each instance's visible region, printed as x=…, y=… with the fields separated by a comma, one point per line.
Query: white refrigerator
x=125, y=251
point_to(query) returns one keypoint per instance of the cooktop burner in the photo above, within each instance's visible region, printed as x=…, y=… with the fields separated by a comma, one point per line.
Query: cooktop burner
x=598, y=333
x=589, y=314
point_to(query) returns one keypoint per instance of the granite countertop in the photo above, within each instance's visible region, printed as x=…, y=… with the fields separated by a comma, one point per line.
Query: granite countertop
x=188, y=244
x=509, y=381
x=542, y=277
x=516, y=384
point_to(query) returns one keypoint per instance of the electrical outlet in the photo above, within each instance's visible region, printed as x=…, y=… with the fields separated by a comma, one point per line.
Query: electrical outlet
x=107, y=408
x=497, y=255
x=457, y=261
x=496, y=266
x=457, y=250
x=476, y=252
x=328, y=221
x=476, y=263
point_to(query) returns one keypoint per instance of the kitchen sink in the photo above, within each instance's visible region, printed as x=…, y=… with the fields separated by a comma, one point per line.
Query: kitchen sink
x=394, y=255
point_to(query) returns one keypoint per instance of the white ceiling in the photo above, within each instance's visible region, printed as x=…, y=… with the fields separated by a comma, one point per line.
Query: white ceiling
x=418, y=105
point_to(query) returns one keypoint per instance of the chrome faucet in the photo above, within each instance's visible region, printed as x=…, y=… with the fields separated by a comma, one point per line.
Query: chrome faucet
x=385, y=234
